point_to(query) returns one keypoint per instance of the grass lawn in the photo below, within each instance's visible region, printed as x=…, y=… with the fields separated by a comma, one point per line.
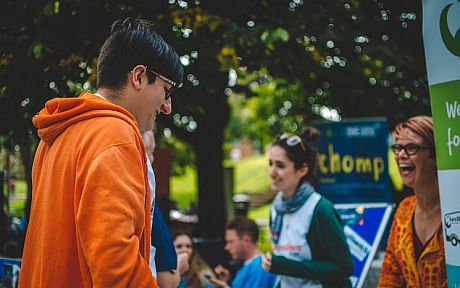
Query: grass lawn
x=18, y=201
x=250, y=176
x=184, y=189
x=260, y=213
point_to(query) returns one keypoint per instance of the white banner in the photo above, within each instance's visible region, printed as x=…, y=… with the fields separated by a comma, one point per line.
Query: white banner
x=441, y=36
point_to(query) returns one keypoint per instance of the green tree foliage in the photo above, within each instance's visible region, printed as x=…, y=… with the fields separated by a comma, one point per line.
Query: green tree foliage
x=332, y=60
x=293, y=59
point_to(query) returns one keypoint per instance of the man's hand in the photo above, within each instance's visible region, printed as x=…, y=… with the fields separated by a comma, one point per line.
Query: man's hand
x=267, y=261
x=222, y=273
x=182, y=263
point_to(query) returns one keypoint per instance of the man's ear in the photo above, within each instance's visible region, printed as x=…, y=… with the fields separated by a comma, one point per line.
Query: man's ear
x=135, y=77
x=246, y=239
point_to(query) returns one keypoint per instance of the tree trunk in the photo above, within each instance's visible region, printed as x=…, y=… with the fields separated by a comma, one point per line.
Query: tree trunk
x=209, y=156
x=211, y=206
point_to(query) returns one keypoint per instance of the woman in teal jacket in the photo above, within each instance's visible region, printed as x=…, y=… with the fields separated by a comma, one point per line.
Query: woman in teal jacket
x=309, y=246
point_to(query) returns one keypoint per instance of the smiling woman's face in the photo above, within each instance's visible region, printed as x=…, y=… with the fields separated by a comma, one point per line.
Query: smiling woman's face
x=285, y=177
x=419, y=169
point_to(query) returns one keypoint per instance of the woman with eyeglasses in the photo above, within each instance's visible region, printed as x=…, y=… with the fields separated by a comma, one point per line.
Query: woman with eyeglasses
x=308, y=241
x=193, y=278
x=414, y=255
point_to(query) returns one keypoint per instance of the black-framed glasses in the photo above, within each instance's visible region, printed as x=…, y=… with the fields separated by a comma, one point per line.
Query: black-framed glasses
x=174, y=85
x=410, y=149
x=292, y=140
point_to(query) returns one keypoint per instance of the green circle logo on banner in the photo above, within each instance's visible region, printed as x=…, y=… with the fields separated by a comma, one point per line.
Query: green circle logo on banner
x=452, y=42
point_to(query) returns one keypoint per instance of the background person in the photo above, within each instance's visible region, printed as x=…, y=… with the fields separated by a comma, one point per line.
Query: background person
x=90, y=217
x=165, y=264
x=12, y=185
x=414, y=256
x=241, y=235
x=309, y=246
x=194, y=277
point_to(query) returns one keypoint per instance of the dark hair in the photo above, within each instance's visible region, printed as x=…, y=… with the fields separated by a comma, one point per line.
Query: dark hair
x=420, y=125
x=179, y=232
x=244, y=226
x=299, y=156
x=134, y=42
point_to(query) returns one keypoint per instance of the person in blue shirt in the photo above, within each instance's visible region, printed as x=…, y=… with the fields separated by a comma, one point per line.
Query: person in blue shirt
x=165, y=264
x=241, y=235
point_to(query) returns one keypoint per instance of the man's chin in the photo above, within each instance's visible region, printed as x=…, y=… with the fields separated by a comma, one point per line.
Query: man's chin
x=148, y=127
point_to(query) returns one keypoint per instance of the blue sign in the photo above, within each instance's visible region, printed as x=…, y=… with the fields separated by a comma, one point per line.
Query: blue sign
x=353, y=161
x=364, y=227
x=9, y=272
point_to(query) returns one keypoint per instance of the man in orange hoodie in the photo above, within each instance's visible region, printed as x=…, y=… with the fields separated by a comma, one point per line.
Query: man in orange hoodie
x=90, y=220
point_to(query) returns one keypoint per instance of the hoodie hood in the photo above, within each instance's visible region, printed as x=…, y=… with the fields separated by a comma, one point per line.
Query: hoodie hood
x=60, y=113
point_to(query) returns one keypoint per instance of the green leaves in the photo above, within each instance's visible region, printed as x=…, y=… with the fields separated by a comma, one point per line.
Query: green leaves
x=37, y=49
x=277, y=35
x=51, y=8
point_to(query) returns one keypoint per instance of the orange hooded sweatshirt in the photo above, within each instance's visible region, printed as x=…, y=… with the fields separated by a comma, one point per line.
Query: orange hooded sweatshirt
x=90, y=219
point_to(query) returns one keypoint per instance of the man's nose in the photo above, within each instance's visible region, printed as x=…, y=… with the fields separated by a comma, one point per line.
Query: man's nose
x=166, y=108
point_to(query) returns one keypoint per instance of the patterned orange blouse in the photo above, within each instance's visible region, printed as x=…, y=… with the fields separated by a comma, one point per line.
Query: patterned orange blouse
x=400, y=268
